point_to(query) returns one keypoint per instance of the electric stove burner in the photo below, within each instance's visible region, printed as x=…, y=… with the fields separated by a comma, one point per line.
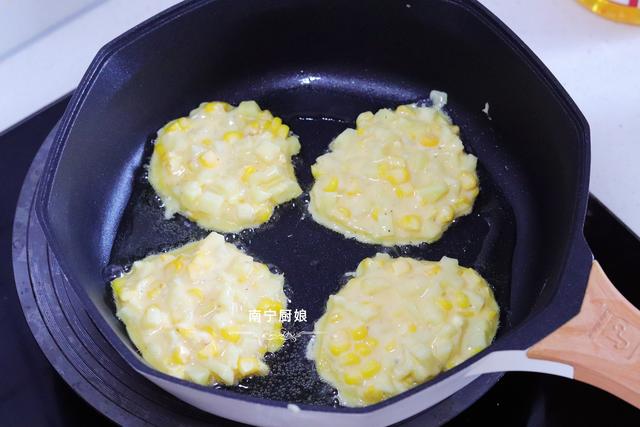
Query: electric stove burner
x=87, y=362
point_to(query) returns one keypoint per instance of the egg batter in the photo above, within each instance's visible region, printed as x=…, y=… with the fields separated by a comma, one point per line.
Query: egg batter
x=399, y=177
x=225, y=168
x=188, y=311
x=399, y=322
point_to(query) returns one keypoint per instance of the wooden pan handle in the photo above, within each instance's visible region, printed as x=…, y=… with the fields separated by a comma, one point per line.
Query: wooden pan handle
x=602, y=342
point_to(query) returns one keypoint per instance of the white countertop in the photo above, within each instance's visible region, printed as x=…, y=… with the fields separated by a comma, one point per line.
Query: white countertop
x=597, y=61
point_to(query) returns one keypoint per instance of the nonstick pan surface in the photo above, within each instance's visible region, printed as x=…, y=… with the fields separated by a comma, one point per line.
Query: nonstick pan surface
x=318, y=64
x=313, y=258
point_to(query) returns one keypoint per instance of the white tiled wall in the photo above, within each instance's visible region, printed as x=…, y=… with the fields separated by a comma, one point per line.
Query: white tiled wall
x=22, y=21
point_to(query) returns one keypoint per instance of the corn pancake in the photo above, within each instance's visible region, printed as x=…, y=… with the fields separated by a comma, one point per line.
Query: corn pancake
x=225, y=168
x=399, y=322
x=188, y=311
x=400, y=177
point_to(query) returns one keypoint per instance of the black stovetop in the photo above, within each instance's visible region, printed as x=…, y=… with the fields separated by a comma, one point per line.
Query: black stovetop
x=33, y=394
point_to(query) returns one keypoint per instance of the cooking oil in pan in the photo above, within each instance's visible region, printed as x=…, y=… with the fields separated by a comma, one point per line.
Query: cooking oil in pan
x=314, y=260
x=626, y=11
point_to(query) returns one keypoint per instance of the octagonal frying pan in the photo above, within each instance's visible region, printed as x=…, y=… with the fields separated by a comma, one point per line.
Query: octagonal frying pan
x=317, y=64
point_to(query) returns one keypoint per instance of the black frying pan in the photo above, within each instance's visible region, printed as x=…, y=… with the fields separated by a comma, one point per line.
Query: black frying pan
x=317, y=64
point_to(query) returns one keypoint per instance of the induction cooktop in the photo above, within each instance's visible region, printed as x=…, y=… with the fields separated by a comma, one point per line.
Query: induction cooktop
x=57, y=369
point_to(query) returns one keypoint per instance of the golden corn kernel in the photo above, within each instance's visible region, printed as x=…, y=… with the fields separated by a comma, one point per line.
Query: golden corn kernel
x=255, y=127
x=230, y=333
x=335, y=318
x=428, y=141
x=405, y=109
x=375, y=213
x=435, y=269
x=359, y=333
x=232, y=135
x=178, y=357
x=402, y=192
x=360, y=131
x=332, y=186
x=411, y=222
x=210, y=330
x=283, y=131
x=354, y=190
x=461, y=299
x=373, y=395
x=462, y=204
x=208, y=159
x=263, y=214
x=444, y=304
x=152, y=293
x=445, y=214
x=277, y=326
x=412, y=328
x=352, y=378
x=117, y=285
x=350, y=359
x=160, y=149
x=184, y=123
x=196, y=292
x=172, y=126
x=344, y=212
x=371, y=368
x=210, y=106
x=337, y=348
x=492, y=314
x=468, y=181
x=399, y=176
x=365, y=264
x=395, y=176
x=275, y=124
x=185, y=332
x=210, y=350
x=176, y=264
x=268, y=304
x=248, y=171
x=392, y=346
x=362, y=349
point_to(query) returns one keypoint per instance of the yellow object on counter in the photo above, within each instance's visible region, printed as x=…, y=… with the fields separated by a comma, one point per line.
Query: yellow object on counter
x=399, y=177
x=625, y=11
x=188, y=311
x=399, y=322
x=225, y=168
